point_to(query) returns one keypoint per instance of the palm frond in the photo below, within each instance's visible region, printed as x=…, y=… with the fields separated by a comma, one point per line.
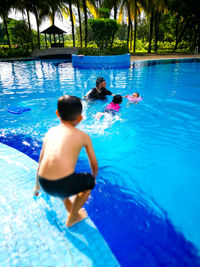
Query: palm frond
x=120, y=17
x=93, y=9
x=65, y=12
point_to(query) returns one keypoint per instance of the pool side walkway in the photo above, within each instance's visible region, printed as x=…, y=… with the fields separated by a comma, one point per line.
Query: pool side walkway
x=160, y=57
x=133, y=58
x=33, y=231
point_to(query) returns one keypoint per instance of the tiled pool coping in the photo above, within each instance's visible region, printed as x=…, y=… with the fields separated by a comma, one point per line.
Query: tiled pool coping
x=33, y=231
x=99, y=62
x=150, y=62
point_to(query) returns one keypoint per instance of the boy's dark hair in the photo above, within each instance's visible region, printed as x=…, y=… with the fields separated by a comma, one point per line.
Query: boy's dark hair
x=117, y=99
x=99, y=80
x=69, y=107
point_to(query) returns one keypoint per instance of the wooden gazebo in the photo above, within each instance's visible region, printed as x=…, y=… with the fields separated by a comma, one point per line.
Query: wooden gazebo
x=53, y=30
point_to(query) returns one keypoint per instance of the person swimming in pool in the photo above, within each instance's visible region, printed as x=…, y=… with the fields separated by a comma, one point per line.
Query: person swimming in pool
x=112, y=108
x=98, y=92
x=58, y=158
x=114, y=105
x=134, y=98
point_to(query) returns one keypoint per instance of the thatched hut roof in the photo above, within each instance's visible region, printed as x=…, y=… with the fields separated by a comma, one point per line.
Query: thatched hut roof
x=53, y=30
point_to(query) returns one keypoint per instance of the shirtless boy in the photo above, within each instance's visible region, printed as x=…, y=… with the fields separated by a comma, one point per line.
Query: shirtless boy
x=61, y=147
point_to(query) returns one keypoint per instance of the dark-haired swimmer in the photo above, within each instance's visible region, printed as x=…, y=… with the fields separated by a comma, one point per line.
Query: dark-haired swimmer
x=112, y=108
x=58, y=158
x=98, y=92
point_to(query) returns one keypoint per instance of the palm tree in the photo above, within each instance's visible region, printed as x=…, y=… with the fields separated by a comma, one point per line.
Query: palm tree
x=150, y=12
x=133, y=10
x=93, y=8
x=161, y=6
x=116, y=4
x=40, y=9
x=72, y=21
x=5, y=7
x=85, y=15
x=64, y=11
x=25, y=7
x=153, y=11
x=79, y=19
x=60, y=8
x=137, y=12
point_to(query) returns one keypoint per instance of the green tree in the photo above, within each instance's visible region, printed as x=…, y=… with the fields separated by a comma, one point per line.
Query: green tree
x=2, y=33
x=40, y=10
x=72, y=19
x=79, y=20
x=121, y=34
x=18, y=32
x=24, y=6
x=85, y=17
x=133, y=9
x=5, y=7
x=187, y=20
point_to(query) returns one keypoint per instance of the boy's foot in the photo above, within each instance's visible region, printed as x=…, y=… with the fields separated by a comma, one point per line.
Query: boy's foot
x=75, y=218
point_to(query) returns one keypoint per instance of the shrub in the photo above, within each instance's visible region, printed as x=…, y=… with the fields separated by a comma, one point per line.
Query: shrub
x=118, y=48
x=104, y=31
x=14, y=52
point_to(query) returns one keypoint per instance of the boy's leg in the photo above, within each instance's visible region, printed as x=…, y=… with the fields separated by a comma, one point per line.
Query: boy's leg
x=77, y=214
x=68, y=204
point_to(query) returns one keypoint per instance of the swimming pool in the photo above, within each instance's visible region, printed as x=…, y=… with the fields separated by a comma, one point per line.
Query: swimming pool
x=146, y=202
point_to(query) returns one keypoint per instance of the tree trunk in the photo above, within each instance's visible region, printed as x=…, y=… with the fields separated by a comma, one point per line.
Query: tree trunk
x=151, y=30
x=6, y=26
x=115, y=9
x=135, y=26
x=30, y=32
x=86, y=28
x=176, y=33
x=128, y=36
x=157, y=23
x=131, y=41
x=72, y=22
x=79, y=19
x=181, y=34
x=38, y=29
x=129, y=27
x=198, y=37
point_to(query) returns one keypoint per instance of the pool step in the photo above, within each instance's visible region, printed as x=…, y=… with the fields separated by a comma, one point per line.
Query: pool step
x=33, y=231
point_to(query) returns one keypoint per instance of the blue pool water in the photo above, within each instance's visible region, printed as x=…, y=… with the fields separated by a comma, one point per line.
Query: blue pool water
x=146, y=202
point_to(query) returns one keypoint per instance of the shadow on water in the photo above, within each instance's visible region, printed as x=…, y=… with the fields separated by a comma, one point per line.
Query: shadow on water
x=137, y=235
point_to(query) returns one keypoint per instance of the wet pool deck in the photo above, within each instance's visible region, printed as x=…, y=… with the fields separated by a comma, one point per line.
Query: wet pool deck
x=160, y=57
x=33, y=231
x=133, y=58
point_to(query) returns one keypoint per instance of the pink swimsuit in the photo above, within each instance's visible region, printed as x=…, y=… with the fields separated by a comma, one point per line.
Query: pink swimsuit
x=113, y=106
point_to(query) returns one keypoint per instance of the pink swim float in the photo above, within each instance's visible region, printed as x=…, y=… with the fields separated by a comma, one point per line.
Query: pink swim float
x=130, y=98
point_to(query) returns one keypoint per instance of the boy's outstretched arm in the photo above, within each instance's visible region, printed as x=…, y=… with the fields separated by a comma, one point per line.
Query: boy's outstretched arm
x=91, y=155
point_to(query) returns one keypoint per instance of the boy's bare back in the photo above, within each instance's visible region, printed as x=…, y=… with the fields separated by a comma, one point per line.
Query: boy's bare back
x=61, y=148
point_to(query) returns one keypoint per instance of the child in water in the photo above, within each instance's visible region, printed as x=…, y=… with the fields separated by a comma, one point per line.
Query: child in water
x=134, y=98
x=112, y=108
x=58, y=158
